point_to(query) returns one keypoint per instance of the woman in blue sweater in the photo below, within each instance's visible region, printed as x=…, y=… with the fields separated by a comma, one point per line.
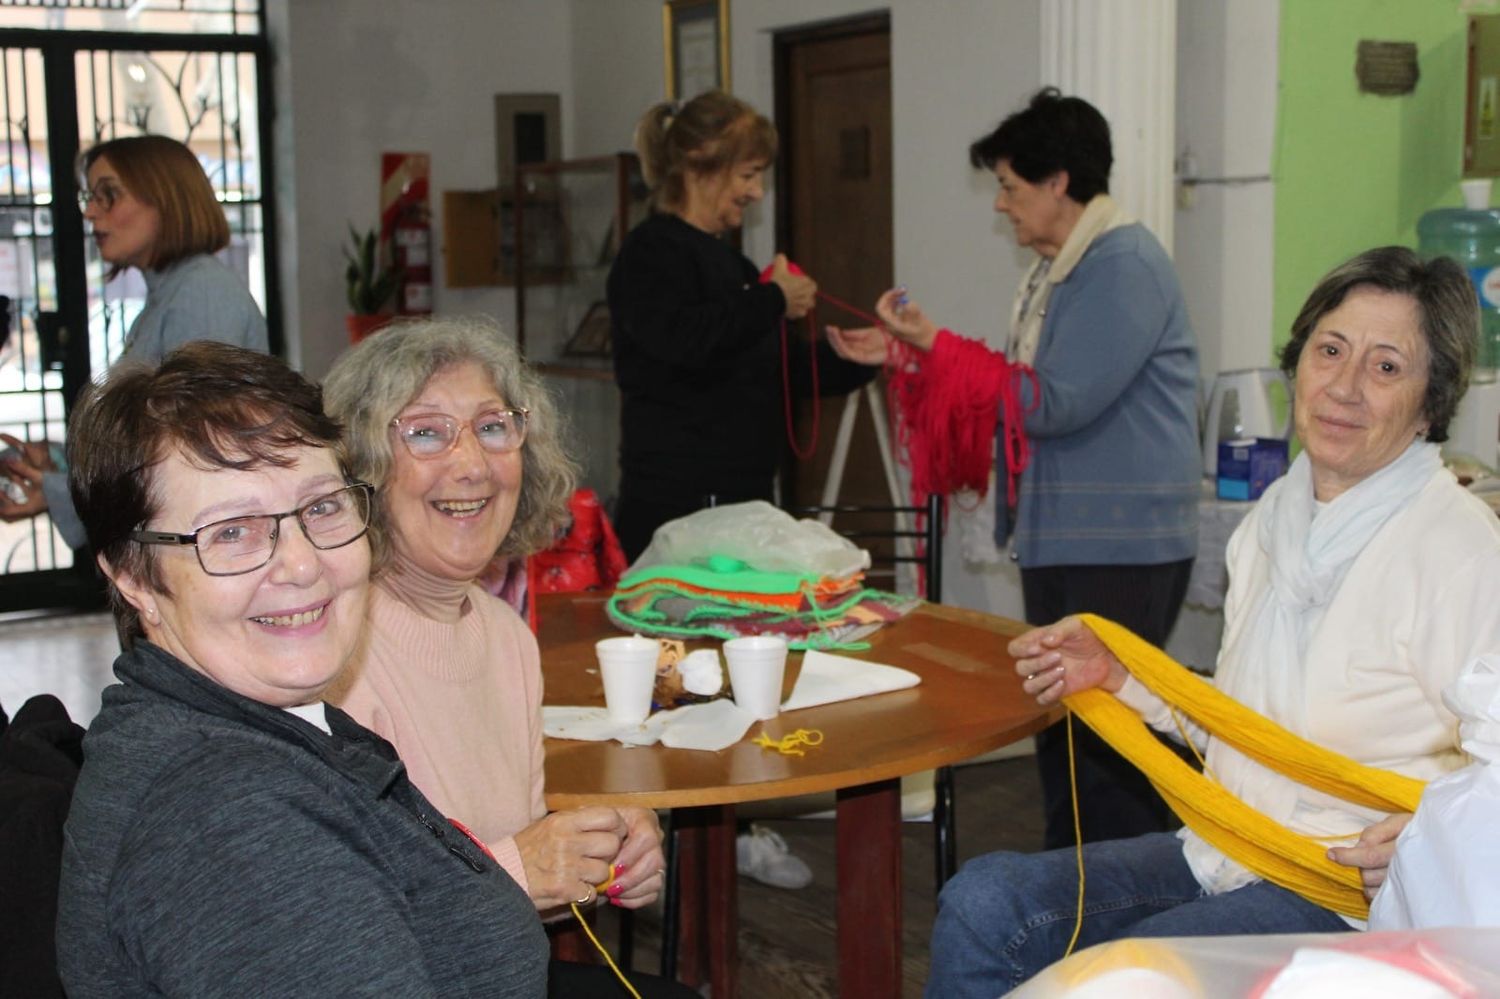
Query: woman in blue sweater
x=150, y=206
x=1106, y=517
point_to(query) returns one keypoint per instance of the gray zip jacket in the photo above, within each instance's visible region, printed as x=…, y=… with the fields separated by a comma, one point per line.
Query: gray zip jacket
x=219, y=846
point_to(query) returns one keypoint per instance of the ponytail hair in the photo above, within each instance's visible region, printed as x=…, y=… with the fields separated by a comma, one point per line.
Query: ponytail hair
x=707, y=135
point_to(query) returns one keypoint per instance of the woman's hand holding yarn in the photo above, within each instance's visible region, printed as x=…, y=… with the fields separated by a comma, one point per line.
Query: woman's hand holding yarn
x=800, y=291
x=1062, y=659
x=567, y=854
x=905, y=319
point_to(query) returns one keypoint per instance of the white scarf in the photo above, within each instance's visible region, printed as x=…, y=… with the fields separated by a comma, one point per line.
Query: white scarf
x=1029, y=309
x=1309, y=552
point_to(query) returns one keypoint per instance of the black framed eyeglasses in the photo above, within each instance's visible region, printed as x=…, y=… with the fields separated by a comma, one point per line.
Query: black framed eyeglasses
x=243, y=544
x=104, y=195
x=432, y=435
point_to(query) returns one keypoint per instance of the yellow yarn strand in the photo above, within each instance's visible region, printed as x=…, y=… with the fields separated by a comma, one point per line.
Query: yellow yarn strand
x=1077, y=834
x=1261, y=844
x=791, y=745
x=601, y=949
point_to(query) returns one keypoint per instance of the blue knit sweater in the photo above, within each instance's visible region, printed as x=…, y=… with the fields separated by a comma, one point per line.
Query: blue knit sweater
x=1115, y=464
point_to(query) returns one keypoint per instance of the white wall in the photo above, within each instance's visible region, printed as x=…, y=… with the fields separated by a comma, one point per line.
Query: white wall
x=1226, y=107
x=1226, y=116
x=617, y=71
x=356, y=79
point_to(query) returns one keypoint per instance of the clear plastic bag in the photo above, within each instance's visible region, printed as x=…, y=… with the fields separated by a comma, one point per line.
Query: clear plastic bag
x=1446, y=871
x=757, y=534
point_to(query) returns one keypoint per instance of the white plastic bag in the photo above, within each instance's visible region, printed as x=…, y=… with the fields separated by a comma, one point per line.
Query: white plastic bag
x=757, y=534
x=1446, y=871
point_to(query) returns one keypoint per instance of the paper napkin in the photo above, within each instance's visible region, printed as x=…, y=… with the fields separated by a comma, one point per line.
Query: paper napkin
x=828, y=678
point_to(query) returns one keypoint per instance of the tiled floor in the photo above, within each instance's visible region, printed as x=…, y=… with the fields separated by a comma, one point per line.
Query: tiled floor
x=70, y=657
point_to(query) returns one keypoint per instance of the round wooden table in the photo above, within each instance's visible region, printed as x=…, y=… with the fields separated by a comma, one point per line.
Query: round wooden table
x=968, y=703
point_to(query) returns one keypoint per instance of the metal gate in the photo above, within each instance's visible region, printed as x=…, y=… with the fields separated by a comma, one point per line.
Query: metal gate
x=116, y=68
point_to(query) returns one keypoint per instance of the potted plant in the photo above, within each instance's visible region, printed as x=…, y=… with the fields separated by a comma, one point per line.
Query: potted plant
x=370, y=284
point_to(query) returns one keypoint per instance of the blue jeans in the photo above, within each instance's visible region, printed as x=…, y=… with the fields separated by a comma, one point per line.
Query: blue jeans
x=1006, y=916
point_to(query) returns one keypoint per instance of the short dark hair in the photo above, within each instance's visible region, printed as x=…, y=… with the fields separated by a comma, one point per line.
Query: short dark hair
x=220, y=406
x=1053, y=133
x=164, y=174
x=1448, y=316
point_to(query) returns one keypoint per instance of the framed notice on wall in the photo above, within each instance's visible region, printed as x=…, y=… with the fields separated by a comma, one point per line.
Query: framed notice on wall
x=695, y=36
x=1482, y=109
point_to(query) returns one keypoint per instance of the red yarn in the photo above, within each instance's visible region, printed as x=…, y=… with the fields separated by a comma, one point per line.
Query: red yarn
x=946, y=403
x=945, y=406
x=803, y=452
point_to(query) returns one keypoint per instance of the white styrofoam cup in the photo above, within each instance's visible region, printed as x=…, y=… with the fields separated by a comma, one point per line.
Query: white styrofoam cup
x=757, y=664
x=628, y=667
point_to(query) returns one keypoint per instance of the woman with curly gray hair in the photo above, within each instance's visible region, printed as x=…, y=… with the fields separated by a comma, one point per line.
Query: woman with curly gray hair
x=464, y=447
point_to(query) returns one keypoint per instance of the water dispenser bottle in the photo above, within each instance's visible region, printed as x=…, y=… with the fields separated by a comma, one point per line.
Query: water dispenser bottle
x=1473, y=239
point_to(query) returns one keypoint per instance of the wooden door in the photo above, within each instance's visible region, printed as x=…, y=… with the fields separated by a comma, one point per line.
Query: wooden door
x=834, y=216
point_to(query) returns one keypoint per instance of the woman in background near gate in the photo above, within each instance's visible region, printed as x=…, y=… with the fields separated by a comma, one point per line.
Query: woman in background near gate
x=1107, y=514
x=150, y=206
x=464, y=447
x=1360, y=585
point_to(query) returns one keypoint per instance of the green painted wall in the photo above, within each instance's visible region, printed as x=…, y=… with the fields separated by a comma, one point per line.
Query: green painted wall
x=1357, y=170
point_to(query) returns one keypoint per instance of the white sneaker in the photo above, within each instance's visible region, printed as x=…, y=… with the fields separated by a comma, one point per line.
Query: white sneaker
x=762, y=854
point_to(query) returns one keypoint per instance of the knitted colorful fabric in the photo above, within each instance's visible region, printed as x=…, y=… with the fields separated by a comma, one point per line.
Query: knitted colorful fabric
x=700, y=602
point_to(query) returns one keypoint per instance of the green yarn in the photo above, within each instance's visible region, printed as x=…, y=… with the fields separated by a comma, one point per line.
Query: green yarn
x=723, y=573
x=713, y=615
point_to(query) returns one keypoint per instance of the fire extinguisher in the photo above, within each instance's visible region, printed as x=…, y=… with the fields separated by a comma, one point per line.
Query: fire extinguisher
x=413, y=250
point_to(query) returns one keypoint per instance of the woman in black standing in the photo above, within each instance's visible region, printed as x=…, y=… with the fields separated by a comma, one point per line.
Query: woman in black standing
x=697, y=335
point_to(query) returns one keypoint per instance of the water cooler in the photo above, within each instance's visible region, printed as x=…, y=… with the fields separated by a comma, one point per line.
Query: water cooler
x=1473, y=239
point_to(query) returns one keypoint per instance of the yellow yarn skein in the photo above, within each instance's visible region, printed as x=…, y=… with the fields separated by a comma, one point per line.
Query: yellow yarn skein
x=1261, y=844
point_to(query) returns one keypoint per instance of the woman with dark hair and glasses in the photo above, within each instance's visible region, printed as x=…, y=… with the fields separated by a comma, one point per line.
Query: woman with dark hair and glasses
x=231, y=833
x=464, y=446
x=1106, y=519
x=150, y=206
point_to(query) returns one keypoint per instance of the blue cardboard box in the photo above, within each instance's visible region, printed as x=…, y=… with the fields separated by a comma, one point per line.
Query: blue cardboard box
x=1248, y=466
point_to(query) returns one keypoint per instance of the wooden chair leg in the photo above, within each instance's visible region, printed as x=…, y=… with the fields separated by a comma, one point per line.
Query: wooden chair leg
x=625, y=947
x=944, y=839
x=671, y=903
x=691, y=937
x=569, y=943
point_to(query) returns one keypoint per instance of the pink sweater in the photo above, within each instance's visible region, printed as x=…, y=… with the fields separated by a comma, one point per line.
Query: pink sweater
x=451, y=677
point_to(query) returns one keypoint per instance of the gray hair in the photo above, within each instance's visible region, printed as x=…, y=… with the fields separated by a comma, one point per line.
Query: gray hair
x=373, y=381
x=1448, y=311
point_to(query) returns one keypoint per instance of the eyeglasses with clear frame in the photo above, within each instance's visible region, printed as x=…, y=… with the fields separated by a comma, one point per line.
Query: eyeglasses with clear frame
x=238, y=545
x=105, y=194
x=432, y=435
